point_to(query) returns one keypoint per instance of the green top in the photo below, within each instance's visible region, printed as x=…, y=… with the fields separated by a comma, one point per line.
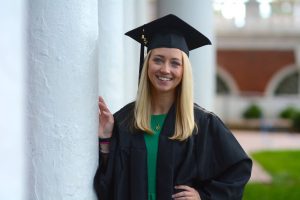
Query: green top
x=152, y=148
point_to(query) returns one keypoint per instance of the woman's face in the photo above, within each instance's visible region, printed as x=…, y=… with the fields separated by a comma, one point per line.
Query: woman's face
x=165, y=69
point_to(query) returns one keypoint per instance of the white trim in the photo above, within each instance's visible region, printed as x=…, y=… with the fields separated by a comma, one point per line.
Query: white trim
x=278, y=77
x=257, y=42
x=244, y=40
x=297, y=55
x=229, y=80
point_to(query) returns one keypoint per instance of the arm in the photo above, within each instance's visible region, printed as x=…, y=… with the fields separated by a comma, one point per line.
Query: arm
x=228, y=185
x=103, y=176
x=106, y=123
x=223, y=166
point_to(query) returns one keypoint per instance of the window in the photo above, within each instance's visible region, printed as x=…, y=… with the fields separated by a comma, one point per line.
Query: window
x=222, y=87
x=288, y=85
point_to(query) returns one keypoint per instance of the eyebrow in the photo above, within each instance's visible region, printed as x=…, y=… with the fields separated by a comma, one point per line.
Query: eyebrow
x=161, y=56
x=174, y=59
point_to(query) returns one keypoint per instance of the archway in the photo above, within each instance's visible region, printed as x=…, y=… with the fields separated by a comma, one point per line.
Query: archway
x=284, y=82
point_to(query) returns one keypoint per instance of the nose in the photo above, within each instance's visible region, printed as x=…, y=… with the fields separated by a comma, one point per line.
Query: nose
x=165, y=68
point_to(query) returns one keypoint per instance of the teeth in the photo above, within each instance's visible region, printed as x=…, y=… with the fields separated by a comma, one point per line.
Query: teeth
x=164, y=78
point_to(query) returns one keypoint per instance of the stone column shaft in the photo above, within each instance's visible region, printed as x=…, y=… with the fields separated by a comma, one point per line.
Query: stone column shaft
x=12, y=137
x=200, y=15
x=111, y=61
x=62, y=111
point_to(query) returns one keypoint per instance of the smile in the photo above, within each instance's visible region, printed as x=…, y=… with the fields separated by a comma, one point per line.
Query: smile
x=164, y=78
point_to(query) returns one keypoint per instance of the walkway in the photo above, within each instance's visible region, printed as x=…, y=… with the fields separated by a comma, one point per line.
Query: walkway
x=253, y=141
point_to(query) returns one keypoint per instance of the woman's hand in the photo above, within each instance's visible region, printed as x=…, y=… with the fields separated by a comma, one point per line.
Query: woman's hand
x=187, y=193
x=106, y=120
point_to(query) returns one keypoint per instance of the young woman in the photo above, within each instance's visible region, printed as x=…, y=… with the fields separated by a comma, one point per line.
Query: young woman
x=163, y=146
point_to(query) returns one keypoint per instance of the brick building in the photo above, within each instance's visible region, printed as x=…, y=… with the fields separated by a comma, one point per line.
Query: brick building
x=258, y=60
x=254, y=70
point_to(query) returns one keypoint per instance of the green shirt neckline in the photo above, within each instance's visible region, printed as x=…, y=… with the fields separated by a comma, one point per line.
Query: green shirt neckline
x=151, y=141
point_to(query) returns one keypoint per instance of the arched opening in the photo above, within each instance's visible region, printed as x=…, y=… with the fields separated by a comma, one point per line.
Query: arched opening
x=284, y=82
x=222, y=86
x=289, y=85
x=225, y=84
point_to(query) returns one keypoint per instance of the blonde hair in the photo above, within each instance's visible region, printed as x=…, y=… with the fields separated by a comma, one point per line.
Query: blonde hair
x=184, y=124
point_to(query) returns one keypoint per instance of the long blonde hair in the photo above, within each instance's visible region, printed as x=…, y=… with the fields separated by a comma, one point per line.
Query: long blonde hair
x=184, y=124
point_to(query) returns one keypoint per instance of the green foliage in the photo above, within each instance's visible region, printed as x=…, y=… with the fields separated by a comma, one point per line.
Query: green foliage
x=288, y=112
x=296, y=121
x=258, y=191
x=253, y=112
x=284, y=167
x=294, y=115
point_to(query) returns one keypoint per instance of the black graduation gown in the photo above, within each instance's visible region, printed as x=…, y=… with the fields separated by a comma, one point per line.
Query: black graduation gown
x=211, y=161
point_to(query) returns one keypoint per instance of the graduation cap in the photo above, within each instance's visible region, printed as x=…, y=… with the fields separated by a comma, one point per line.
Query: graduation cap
x=169, y=31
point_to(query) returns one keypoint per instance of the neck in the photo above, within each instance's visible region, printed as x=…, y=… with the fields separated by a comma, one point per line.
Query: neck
x=161, y=103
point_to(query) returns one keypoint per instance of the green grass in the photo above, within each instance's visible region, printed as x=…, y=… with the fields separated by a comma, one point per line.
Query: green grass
x=284, y=166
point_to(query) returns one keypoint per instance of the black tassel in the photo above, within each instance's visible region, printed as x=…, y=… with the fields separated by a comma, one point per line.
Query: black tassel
x=141, y=60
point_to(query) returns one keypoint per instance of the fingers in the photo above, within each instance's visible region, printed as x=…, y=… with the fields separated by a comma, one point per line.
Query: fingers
x=184, y=198
x=184, y=187
x=187, y=193
x=102, y=100
x=102, y=105
x=104, y=113
x=182, y=195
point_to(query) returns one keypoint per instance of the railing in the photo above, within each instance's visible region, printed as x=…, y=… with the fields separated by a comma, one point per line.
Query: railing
x=230, y=108
x=244, y=14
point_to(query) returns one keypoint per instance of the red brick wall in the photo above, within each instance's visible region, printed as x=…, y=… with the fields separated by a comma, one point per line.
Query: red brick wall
x=253, y=69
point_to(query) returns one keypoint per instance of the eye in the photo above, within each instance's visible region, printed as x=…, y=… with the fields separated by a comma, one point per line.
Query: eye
x=175, y=64
x=157, y=60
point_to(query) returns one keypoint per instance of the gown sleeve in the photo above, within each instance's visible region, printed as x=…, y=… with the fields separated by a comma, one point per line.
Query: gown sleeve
x=223, y=167
x=103, y=180
x=108, y=175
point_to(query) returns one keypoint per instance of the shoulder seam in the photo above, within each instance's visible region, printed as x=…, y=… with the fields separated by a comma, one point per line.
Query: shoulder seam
x=197, y=107
x=124, y=109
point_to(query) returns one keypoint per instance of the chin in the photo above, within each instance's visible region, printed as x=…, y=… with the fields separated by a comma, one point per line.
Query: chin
x=164, y=90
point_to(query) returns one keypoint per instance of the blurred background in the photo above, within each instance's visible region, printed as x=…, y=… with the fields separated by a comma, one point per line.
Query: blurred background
x=257, y=60
x=56, y=57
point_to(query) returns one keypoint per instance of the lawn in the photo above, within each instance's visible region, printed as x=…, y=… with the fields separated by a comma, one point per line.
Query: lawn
x=284, y=166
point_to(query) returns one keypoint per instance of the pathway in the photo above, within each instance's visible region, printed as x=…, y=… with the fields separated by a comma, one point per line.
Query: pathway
x=253, y=141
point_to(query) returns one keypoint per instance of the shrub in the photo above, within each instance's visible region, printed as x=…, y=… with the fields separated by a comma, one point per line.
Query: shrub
x=296, y=121
x=253, y=112
x=287, y=113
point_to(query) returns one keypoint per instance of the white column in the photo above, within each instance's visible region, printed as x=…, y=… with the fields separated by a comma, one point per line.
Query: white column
x=200, y=15
x=252, y=13
x=12, y=138
x=136, y=13
x=142, y=10
x=62, y=99
x=131, y=59
x=111, y=61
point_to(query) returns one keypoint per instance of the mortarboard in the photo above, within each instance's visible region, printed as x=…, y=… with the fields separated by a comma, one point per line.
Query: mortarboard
x=169, y=31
